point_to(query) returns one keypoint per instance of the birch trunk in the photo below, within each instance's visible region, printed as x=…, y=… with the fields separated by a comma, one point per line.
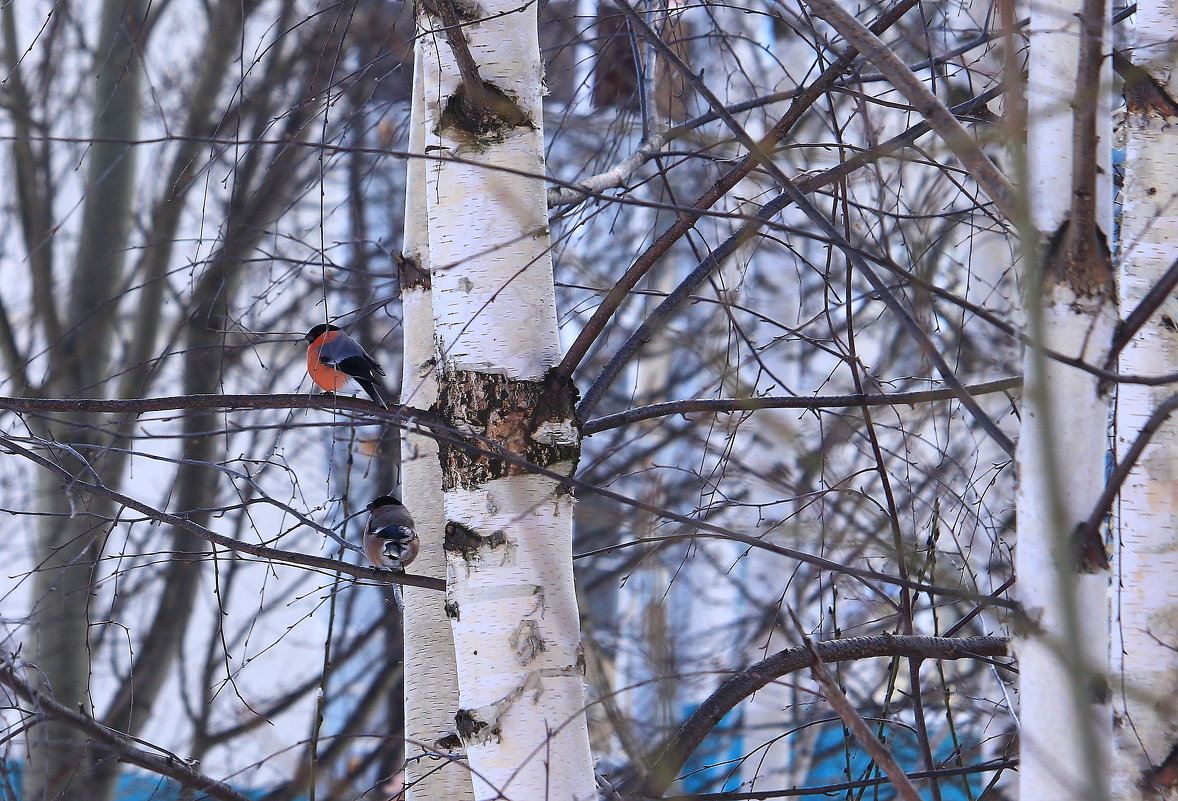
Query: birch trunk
x=1064, y=711
x=508, y=535
x=1145, y=677
x=431, y=677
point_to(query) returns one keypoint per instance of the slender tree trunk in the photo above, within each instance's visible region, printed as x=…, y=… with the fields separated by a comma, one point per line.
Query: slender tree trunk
x=508, y=533
x=1145, y=671
x=1064, y=710
x=431, y=674
x=69, y=544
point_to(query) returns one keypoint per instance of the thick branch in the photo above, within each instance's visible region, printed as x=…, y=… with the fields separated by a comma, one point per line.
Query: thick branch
x=851, y=718
x=981, y=169
x=1088, y=533
x=1085, y=139
x=260, y=551
x=827, y=228
x=1153, y=300
x=721, y=405
x=468, y=68
x=672, y=755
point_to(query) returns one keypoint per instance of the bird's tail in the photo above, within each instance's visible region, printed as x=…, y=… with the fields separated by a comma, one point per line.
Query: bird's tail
x=370, y=387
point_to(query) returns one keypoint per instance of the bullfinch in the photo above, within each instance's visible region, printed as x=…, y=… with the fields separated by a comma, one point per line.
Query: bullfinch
x=390, y=541
x=333, y=357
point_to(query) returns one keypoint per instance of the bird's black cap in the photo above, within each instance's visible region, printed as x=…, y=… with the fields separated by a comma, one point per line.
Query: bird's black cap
x=383, y=500
x=318, y=330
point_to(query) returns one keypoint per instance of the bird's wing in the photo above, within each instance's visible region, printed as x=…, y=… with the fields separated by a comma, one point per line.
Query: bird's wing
x=397, y=534
x=390, y=517
x=342, y=348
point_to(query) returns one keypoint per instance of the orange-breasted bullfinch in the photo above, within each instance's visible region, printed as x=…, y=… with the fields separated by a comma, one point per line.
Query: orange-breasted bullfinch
x=333, y=357
x=390, y=542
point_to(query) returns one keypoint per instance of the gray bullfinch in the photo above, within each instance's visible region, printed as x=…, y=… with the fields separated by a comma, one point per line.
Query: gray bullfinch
x=333, y=357
x=390, y=541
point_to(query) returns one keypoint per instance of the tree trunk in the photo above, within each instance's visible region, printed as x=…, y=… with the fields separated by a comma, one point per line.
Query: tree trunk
x=431, y=674
x=508, y=533
x=1145, y=673
x=1064, y=709
x=69, y=546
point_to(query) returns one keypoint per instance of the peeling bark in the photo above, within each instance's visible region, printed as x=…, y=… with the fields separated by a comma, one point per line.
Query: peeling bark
x=510, y=413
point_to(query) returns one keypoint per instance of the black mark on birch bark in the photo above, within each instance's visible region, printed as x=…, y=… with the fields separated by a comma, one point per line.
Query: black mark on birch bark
x=410, y=272
x=501, y=416
x=468, y=542
x=478, y=124
x=1164, y=777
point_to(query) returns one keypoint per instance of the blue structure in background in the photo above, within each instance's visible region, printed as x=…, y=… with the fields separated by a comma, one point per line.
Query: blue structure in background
x=133, y=786
x=839, y=759
x=716, y=765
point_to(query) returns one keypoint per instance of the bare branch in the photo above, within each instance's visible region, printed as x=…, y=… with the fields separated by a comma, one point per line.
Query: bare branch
x=791, y=190
x=981, y=169
x=165, y=764
x=260, y=551
x=426, y=421
x=721, y=405
x=853, y=720
x=673, y=753
x=643, y=264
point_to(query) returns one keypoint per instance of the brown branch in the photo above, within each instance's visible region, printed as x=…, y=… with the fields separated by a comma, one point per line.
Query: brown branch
x=835, y=696
x=687, y=218
x=260, y=551
x=981, y=169
x=167, y=764
x=1154, y=298
x=672, y=754
x=397, y=415
x=842, y=787
x=406, y=416
x=1143, y=93
x=472, y=81
x=825, y=226
x=1084, y=136
x=721, y=405
x=1087, y=534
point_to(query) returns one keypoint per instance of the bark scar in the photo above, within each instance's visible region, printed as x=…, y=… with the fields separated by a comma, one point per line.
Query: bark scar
x=1164, y=776
x=481, y=725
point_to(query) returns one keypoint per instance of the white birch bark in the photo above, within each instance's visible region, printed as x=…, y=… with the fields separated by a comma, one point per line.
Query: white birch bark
x=431, y=674
x=1064, y=716
x=509, y=549
x=1145, y=671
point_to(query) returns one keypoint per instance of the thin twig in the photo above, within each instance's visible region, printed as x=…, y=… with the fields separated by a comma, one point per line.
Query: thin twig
x=604, y=312
x=853, y=720
x=407, y=417
x=827, y=228
x=721, y=405
x=997, y=766
x=166, y=764
x=926, y=104
x=260, y=551
x=673, y=753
